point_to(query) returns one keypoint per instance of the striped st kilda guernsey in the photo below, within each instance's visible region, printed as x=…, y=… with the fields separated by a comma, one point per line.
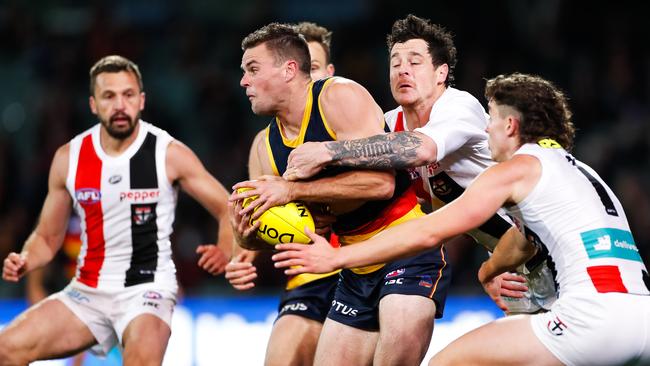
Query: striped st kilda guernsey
x=126, y=205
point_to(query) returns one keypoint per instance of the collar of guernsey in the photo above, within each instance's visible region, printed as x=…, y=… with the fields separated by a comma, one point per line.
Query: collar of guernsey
x=363, y=222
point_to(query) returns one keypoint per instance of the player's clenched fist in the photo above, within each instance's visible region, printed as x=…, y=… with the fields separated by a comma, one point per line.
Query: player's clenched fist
x=13, y=267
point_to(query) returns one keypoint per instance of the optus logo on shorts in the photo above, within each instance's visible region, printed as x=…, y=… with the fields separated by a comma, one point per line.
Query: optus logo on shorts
x=341, y=308
x=298, y=306
x=88, y=196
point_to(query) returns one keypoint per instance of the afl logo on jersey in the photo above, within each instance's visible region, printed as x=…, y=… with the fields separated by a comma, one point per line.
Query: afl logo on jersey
x=88, y=196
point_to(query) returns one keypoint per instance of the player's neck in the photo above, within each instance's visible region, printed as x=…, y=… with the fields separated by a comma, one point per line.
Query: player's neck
x=292, y=114
x=418, y=114
x=113, y=146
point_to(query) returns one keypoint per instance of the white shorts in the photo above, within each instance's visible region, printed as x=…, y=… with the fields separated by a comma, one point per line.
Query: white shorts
x=107, y=313
x=597, y=329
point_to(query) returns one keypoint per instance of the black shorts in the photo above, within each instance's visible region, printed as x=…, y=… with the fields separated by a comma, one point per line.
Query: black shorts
x=356, y=302
x=311, y=300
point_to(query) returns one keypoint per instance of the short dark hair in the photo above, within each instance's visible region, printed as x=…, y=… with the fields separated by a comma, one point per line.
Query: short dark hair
x=544, y=109
x=284, y=41
x=316, y=33
x=114, y=63
x=439, y=42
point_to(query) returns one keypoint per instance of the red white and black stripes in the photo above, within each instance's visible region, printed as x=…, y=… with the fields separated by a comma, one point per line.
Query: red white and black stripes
x=127, y=205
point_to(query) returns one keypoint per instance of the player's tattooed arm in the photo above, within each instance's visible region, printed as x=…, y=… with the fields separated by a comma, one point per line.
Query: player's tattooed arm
x=395, y=150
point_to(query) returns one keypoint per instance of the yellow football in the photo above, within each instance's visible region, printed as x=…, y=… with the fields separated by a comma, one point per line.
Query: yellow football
x=284, y=223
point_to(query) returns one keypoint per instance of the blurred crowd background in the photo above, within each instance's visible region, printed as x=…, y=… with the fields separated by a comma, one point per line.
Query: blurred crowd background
x=189, y=53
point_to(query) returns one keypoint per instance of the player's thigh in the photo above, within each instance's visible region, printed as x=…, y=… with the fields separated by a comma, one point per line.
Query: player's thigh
x=145, y=340
x=293, y=341
x=48, y=329
x=405, y=329
x=340, y=344
x=506, y=341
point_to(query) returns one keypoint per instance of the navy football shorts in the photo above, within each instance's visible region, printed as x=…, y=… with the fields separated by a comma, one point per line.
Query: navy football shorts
x=356, y=302
x=311, y=300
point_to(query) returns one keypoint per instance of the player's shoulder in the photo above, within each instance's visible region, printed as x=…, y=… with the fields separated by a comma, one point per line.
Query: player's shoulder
x=337, y=88
x=156, y=131
x=460, y=101
x=80, y=136
x=457, y=105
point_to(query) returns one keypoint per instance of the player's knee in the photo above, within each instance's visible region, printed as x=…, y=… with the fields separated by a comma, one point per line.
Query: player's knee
x=143, y=354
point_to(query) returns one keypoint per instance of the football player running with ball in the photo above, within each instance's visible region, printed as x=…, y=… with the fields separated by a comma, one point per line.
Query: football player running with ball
x=382, y=323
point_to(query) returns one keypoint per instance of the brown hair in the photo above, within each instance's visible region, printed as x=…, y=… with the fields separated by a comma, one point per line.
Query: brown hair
x=114, y=63
x=316, y=33
x=544, y=109
x=284, y=42
x=439, y=41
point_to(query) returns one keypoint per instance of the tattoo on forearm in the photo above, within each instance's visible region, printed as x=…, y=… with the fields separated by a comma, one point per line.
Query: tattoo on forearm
x=395, y=150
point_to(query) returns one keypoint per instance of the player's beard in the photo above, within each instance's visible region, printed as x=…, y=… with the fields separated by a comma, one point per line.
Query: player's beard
x=120, y=133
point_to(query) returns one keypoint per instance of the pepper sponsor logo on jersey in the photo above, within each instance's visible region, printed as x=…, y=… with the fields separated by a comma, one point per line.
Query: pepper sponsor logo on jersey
x=88, y=196
x=140, y=195
x=610, y=243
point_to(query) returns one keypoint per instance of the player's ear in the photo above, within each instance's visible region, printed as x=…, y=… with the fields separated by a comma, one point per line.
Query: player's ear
x=290, y=69
x=442, y=71
x=142, y=100
x=512, y=125
x=330, y=70
x=93, y=105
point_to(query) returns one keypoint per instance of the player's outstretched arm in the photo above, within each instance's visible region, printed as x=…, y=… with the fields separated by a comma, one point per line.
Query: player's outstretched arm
x=475, y=206
x=184, y=167
x=47, y=237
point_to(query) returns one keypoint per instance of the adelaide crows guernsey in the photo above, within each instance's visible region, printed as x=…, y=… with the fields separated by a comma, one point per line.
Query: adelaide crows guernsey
x=364, y=221
x=126, y=205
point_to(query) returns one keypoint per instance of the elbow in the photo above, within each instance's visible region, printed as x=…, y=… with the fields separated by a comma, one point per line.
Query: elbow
x=423, y=157
x=426, y=151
